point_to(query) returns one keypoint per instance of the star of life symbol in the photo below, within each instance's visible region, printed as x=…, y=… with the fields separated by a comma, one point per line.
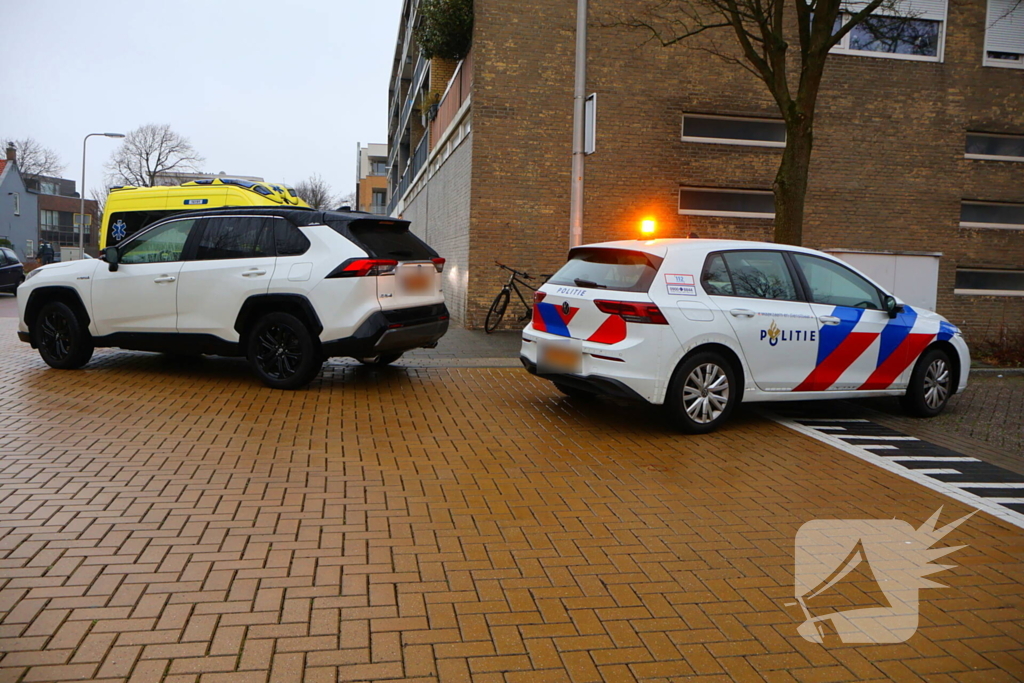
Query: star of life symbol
x=890, y=560
x=119, y=230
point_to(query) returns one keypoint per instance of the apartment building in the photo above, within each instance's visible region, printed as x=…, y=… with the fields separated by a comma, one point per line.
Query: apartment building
x=917, y=174
x=372, y=177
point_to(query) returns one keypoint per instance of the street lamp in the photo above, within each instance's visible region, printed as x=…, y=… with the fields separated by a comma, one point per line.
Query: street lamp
x=81, y=191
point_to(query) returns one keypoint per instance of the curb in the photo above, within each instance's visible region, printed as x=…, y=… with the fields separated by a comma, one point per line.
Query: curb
x=997, y=371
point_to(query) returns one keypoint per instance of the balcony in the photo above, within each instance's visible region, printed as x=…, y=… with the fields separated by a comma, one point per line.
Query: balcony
x=454, y=97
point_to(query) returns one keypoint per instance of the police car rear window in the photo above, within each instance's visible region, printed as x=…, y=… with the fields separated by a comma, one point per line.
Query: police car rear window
x=385, y=239
x=616, y=269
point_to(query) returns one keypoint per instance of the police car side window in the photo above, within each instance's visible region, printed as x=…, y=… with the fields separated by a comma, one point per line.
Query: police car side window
x=760, y=275
x=715, y=277
x=833, y=284
x=231, y=237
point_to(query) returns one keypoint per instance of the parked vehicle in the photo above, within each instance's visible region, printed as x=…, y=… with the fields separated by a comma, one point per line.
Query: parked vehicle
x=130, y=209
x=12, y=272
x=702, y=325
x=286, y=288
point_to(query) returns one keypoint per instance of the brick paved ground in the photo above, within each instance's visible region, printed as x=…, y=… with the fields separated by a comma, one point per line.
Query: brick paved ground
x=183, y=523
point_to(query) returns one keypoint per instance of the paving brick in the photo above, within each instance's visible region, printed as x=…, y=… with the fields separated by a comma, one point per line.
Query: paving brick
x=443, y=524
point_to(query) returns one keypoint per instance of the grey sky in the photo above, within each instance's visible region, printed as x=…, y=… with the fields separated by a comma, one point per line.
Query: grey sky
x=267, y=88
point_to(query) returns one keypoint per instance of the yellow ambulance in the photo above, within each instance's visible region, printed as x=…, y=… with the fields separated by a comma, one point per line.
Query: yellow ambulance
x=129, y=208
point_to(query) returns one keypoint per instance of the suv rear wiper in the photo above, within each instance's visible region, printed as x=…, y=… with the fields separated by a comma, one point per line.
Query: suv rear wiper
x=589, y=284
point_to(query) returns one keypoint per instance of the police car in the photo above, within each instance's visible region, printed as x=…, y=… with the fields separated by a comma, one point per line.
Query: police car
x=701, y=325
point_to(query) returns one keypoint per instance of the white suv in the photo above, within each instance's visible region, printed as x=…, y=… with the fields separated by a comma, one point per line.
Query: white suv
x=286, y=288
x=701, y=325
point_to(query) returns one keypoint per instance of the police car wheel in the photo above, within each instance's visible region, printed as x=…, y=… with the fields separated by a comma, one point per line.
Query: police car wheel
x=702, y=393
x=63, y=341
x=283, y=352
x=931, y=385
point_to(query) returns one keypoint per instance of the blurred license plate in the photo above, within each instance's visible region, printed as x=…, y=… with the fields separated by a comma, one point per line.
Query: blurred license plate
x=560, y=357
x=417, y=280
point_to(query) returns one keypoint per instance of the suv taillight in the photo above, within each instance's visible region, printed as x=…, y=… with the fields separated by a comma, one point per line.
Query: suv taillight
x=363, y=267
x=438, y=263
x=633, y=312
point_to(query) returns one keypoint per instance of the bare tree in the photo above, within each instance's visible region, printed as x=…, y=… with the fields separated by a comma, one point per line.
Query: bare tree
x=150, y=150
x=100, y=197
x=756, y=35
x=34, y=160
x=316, y=192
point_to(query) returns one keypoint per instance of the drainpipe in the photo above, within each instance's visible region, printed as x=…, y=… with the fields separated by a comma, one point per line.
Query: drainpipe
x=579, y=98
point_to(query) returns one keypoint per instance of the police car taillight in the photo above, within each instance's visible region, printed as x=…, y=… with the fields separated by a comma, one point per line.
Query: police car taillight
x=364, y=267
x=538, y=297
x=633, y=312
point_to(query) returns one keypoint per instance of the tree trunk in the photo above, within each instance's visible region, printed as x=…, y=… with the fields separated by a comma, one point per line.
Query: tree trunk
x=791, y=182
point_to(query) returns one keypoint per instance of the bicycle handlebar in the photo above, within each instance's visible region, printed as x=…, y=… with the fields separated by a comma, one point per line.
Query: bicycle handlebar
x=524, y=275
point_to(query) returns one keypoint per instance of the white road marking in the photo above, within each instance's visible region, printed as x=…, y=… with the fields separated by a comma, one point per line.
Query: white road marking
x=942, y=470
x=990, y=485
x=833, y=419
x=879, y=438
x=880, y=447
x=889, y=464
x=917, y=458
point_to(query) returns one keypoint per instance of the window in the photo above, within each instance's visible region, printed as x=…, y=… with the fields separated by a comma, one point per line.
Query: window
x=162, y=244
x=48, y=188
x=231, y=237
x=378, y=166
x=617, y=269
x=734, y=130
x=913, y=30
x=991, y=215
x=992, y=146
x=1004, y=34
x=752, y=274
x=989, y=282
x=384, y=239
x=715, y=278
x=289, y=240
x=17, y=203
x=835, y=285
x=380, y=200
x=700, y=201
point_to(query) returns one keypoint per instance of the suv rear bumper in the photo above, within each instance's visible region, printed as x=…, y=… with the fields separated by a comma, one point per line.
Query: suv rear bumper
x=392, y=332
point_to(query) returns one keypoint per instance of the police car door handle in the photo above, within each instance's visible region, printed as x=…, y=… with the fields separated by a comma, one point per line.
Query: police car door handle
x=165, y=278
x=255, y=272
x=829, y=319
x=742, y=311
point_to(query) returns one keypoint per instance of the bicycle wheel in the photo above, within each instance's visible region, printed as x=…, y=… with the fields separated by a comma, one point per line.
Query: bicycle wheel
x=497, y=311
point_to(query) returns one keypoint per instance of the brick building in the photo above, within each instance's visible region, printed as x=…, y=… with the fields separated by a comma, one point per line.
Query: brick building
x=919, y=158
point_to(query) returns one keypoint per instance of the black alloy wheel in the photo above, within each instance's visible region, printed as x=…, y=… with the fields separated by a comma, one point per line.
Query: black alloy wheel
x=61, y=338
x=282, y=352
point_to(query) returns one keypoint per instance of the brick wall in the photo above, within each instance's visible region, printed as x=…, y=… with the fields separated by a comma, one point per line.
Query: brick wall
x=888, y=171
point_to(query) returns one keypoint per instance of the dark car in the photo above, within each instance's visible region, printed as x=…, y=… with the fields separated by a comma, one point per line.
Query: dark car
x=12, y=273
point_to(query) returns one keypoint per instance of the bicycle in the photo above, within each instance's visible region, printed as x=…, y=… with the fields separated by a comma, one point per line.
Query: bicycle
x=500, y=304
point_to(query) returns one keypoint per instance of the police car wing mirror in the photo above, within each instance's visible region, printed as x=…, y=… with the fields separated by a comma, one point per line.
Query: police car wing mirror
x=112, y=257
x=892, y=306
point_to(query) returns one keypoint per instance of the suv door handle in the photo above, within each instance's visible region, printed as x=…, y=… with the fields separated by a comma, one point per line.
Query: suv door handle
x=829, y=319
x=165, y=278
x=742, y=311
x=255, y=272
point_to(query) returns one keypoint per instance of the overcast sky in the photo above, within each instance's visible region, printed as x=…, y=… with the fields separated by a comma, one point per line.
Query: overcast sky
x=267, y=88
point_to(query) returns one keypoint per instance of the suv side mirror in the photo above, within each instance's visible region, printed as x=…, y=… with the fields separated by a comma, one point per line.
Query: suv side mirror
x=112, y=258
x=892, y=307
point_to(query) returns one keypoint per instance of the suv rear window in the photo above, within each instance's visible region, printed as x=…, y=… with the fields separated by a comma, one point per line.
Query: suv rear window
x=385, y=239
x=619, y=269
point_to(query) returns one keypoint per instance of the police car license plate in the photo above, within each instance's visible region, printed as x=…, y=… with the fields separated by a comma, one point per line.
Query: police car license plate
x=560, y=357
x=416, y=279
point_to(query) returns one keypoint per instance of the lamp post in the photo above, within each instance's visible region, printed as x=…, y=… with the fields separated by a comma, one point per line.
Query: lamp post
x=578, y=128
x=81, y=216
